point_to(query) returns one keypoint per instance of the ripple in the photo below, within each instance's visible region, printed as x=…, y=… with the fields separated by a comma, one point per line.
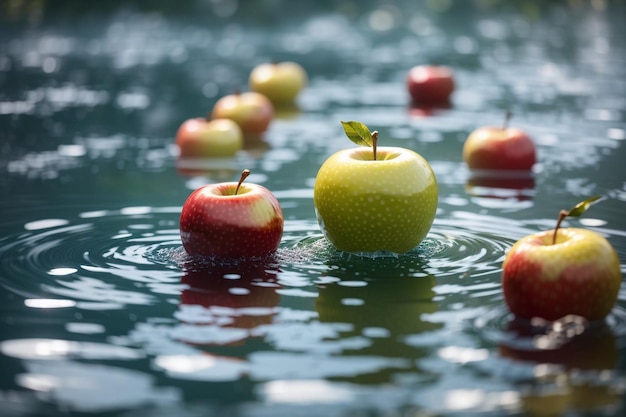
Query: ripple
x=106, y=257
x=463, y=244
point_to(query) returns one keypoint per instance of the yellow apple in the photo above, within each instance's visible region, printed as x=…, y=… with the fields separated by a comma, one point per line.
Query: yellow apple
x=280, y=82
x=380, y=199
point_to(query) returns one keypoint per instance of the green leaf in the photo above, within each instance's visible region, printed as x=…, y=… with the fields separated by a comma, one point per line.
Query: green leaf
x=582, y=207
x=358, y=133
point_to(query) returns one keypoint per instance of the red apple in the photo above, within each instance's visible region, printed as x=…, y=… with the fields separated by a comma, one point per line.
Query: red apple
x=231, y=220
x=202, y=138
x=252, y=111
x=430, y=84
x=560, y=272
x=280, y=82
x=499, y=148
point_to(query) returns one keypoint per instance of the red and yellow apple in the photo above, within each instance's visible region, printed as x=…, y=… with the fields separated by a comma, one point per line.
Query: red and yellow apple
x=559, y=272
x=499, y=148
x=430, y=84
x=253, y=112
x=280, y=82
x=202, y=138
x=370, y=199
x=231, y=220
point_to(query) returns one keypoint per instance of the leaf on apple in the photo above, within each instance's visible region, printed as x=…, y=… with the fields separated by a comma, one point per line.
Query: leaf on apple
x=358, y=133
x=575, y=211
x=582, y=207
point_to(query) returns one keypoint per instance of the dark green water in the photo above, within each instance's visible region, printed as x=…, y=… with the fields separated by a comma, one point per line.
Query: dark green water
x=96, y=311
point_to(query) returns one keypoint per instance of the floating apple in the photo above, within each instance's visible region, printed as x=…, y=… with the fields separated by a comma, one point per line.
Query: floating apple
x=231, y=220
x=202, y=138
x=371, y=199
x=280, y=82
x=559, y=272
x=253, y=112
x=430, y=84
x=499, y=148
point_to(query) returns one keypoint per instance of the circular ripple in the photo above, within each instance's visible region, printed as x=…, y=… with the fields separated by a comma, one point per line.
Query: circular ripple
x=452, y=248
x=104, y=257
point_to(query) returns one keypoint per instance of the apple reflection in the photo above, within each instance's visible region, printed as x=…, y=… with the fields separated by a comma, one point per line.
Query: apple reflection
x=382, y=304
x=223, y=302
x=572, y=361
x=216, y=169
x=501, y=185
x=290, y=111
x=420, y=111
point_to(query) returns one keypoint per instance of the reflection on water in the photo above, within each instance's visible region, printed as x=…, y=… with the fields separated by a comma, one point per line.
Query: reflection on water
x=103, y=312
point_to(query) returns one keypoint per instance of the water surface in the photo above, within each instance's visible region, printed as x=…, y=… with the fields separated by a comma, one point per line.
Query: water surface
x=103, y=313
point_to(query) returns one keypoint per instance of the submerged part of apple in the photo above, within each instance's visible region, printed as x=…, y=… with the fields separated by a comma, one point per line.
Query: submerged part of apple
x=367, y=205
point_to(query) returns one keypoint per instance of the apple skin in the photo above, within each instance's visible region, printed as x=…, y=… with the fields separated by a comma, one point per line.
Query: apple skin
x=579, y=275
x=368, y=206
x=209, y=138
x=279, y=82
x=497, y=148
x=216, y=223
x=253, y=112
x=430, y=84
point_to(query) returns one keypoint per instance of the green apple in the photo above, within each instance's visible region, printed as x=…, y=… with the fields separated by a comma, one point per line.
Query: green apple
x=558, y=272
x=280, y=82
x=202, y=138
x=374, y=199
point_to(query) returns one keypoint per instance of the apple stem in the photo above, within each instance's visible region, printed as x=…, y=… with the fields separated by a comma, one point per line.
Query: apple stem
x=244, y=175
x=562, y=214
x=507, y=119
x=374, y=142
